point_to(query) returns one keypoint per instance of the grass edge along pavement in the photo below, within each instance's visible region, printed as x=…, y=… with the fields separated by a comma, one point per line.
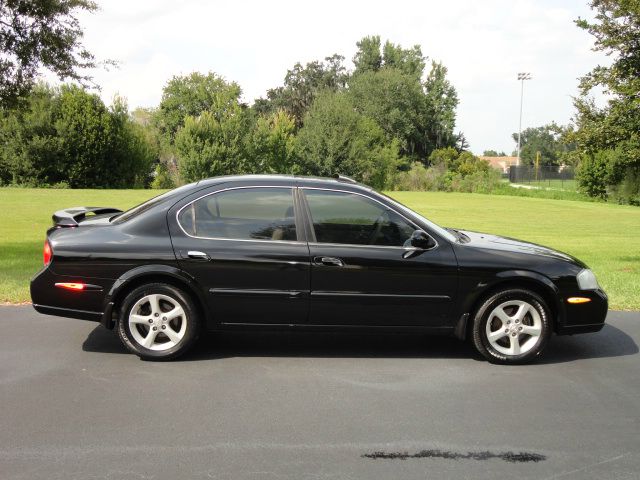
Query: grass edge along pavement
x=605, y=236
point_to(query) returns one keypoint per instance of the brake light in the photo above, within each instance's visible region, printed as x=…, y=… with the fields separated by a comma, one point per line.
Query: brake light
x=71, y=286
x=47, y=253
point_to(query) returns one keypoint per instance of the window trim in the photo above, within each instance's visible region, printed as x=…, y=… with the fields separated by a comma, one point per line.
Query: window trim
x=315, y=243
x=295, y=214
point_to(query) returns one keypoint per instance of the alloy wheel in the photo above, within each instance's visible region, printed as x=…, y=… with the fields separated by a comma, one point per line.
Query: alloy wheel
x=514, y=327
x=157, y=322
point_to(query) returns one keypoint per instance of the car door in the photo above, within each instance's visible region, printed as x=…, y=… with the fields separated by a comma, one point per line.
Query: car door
x=364, y=273
x=245, y=248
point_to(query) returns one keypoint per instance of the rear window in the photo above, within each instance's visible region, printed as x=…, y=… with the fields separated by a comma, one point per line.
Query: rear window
x=242, y=214
x=149, y=204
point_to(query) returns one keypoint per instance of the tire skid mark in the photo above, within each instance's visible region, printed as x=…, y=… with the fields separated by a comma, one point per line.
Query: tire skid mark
x=511, y=457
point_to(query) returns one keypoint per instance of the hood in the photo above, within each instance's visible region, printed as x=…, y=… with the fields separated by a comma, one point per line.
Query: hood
x=512, y=245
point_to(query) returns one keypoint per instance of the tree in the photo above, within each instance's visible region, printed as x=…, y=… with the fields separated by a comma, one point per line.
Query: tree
x=271, y=146
x=67, y=135
x=192, y=94
x=212, y=144
x=547, y=139
x=461, y=144
x=336, y=138
x=409, y=61
x=38, y=34
x=608, y=138
x=397, y=103
x=441, y=103
x=302, y=85
x=493, y=153
x=388, y=87
x=368, y=57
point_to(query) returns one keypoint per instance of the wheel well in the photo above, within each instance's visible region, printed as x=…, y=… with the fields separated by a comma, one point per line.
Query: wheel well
x=532, y=285
x=157, y=278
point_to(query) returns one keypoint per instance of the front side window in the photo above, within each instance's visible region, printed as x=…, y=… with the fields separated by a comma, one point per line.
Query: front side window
x=242, y=214
x=347, y=218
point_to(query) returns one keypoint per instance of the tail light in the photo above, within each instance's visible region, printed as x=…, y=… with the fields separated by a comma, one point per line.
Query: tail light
x=47, y=253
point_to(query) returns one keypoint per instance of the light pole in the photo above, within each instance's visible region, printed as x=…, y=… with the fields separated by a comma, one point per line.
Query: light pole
x=522, y=76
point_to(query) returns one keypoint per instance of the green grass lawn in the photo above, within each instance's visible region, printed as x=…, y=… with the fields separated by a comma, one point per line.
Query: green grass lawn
x=555, y=184
x=605, y=236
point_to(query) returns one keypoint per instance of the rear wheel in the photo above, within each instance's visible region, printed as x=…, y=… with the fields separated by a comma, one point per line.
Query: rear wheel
x=158, y=322
x=512, y=326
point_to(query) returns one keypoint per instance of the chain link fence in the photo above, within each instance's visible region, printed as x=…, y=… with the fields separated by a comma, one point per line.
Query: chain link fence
x=548, y=176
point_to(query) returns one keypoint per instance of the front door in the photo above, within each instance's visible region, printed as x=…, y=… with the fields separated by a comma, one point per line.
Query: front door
x=243, y=248
x=362, y=272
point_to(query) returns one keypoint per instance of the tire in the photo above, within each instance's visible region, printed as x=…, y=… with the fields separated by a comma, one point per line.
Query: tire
x=158, y=322
x=512, y=327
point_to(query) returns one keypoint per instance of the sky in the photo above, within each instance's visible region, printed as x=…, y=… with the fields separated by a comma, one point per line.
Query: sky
x=484, y=44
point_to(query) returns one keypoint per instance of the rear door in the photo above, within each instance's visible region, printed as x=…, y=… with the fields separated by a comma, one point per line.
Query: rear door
x=363, y=271
x=245, y=247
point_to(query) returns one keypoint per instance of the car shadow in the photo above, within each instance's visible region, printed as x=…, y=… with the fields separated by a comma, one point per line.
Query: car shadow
x=101, y=340
x=610, y=342
x=328, y=345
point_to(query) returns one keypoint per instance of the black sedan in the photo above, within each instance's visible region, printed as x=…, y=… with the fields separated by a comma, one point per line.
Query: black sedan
x=299, y=253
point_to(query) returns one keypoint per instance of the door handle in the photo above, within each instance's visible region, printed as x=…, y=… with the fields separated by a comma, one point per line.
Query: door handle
x=331, y=261
x=196, y=255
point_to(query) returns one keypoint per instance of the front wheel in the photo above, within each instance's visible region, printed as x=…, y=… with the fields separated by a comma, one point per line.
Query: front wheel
x=512, y=327
x=158, y=322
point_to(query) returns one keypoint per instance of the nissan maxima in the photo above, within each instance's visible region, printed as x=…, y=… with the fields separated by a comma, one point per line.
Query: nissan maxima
x=305, y=254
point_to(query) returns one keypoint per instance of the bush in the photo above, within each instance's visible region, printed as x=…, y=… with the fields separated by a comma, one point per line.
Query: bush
x=212, y=144
x=162, y=178
x=66, y=135
x=477, y=182
x=420, y=178
x=437, y=178
x=628, y=191
x=592, y=174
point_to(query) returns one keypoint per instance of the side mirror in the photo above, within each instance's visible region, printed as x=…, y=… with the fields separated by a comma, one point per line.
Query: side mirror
x=420, y=239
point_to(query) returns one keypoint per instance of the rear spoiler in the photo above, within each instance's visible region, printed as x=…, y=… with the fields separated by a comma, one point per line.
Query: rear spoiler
x=71, y=217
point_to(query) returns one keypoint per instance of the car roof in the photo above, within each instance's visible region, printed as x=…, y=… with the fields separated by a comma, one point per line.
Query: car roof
x=299, y=180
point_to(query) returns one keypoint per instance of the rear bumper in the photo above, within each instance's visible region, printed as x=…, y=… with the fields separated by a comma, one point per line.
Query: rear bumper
x=584, y=317
x=85, y=304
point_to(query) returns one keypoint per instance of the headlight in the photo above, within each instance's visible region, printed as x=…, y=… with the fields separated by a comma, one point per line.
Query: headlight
x=587, y=280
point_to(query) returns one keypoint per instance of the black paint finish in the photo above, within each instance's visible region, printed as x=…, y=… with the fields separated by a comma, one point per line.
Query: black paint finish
x=302, y=283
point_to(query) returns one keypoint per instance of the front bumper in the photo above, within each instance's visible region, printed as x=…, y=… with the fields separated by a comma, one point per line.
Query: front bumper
x=584, y=317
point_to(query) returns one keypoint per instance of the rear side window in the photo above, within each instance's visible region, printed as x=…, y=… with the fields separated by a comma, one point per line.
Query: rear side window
x=242, y=214
x=347, y=218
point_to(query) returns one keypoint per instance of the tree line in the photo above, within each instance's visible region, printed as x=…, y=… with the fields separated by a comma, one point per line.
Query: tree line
x=373, y=122
x=389, y=121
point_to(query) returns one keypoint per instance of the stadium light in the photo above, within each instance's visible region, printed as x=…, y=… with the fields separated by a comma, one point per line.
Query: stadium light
x=522, y=76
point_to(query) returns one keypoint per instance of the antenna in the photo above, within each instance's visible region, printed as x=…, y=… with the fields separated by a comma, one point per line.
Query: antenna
x=343, y=178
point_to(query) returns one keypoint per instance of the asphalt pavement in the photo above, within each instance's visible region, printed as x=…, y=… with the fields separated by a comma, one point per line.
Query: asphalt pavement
x=75, y=405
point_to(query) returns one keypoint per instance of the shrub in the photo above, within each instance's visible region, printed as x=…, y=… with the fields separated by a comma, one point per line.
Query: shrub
x=67, y=135
x=162, y=178
x=592, y=174
x=420, y=178
x=480, y=181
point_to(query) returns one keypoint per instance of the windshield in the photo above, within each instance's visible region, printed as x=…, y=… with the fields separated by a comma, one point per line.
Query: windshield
x=441, y=231
x=152, y=202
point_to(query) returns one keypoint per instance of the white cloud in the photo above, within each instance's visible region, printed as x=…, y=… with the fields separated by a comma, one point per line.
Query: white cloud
x=484, y=45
